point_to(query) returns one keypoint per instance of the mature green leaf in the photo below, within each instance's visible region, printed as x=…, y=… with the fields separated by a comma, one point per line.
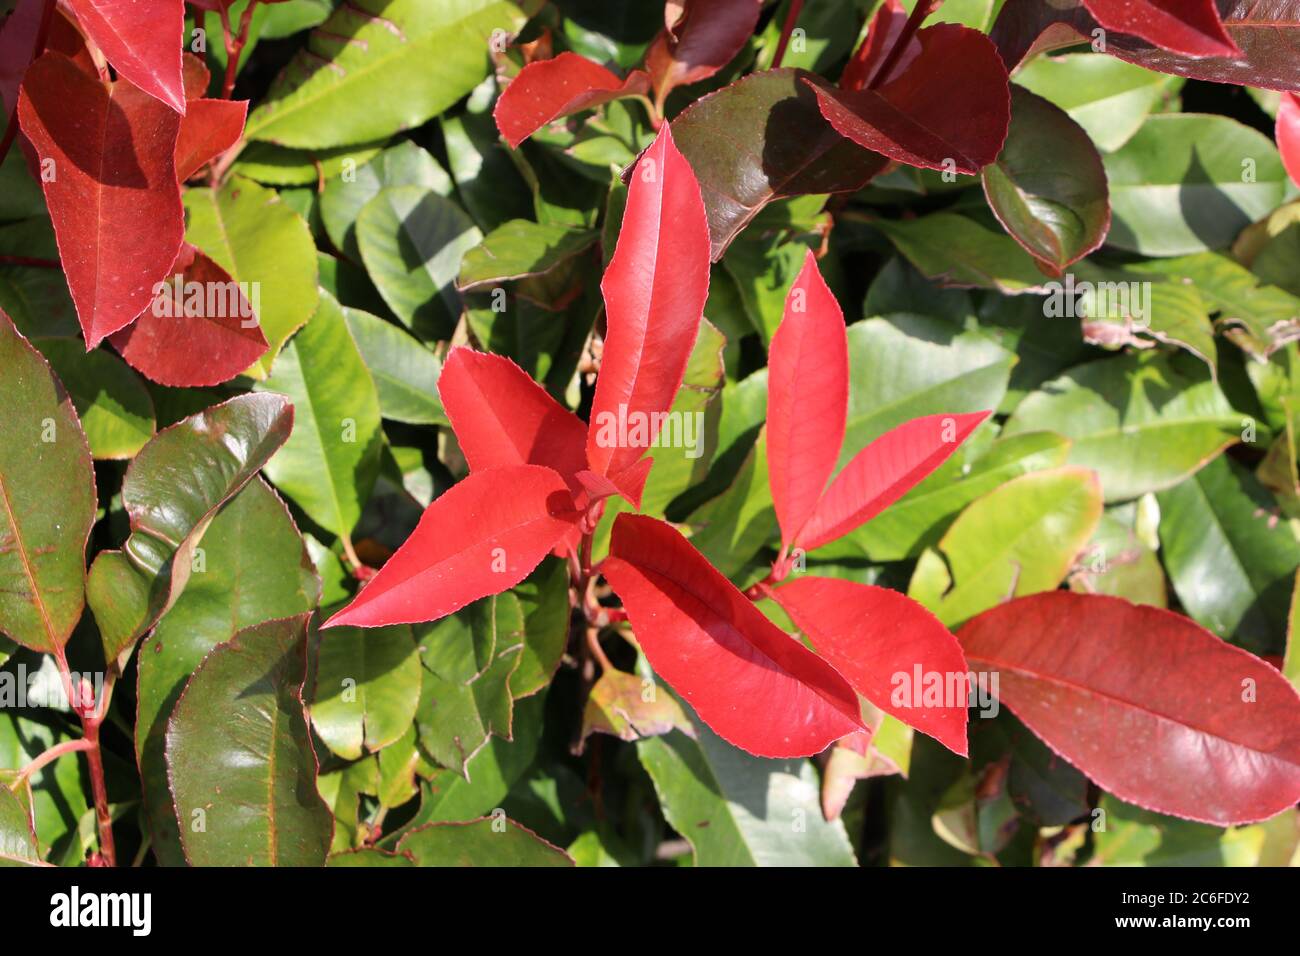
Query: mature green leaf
x=113, y=404
x=344, y=87
x=412, y=241
x=17, y=838
x=367, y=688
x=487, y=177
x=955, y=250
x=240, y=758
x=631, y=707
x=1119, y=563
x=456, y=719
x=1188, y=182
x=47, y=499
x=491, y=841
x=1130, y=836
x=520, y=249
x=255, y=568
x=59, y=791
x=276, y=166
x=544, y=601
x=1231, y=562
x=732, y=527
x=404, y=371
x=1141, y=422
x=329, y=464
x=342, y=790
x=369, y=857
x=259, y=240
x=218, y=451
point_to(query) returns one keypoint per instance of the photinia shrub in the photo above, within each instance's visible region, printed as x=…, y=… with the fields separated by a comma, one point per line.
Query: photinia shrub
x=513, y=432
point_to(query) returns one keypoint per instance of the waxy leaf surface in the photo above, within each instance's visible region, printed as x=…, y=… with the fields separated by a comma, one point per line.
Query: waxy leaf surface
x=1190, y=27
x=548, y=89
x=700, y=38
x=142, y=39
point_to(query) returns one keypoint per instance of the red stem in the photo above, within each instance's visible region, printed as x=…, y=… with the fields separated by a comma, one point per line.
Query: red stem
x=922, y=10
x=235, y=45
x=91, y=719
x=51, y=755
x=791, y=18
x=42, y=34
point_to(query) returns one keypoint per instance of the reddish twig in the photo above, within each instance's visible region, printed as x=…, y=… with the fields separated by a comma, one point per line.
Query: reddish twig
x=91, y=718
x=235, y=43
x=48, y=757
x=923, y=9
x=791, y=18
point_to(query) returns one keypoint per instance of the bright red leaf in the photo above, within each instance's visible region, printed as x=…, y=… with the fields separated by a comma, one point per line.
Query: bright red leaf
x=201, y=330
x=807, y=399
x=1190, y=27
x=700, y=37
x=1155, y=709
x=1288, y=134
x=210, y=127
x=654, y=291
x=892, y=650
x=883, y=472
x=142, y=39
x=755, y=685
x=502, y=417
x=548, y=89
x=482, y=536
x=113, y=196
x=949, y=107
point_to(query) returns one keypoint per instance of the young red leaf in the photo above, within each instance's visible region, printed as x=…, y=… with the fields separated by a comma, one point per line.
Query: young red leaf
x=142, y=39
x=700, y=37
x=481, y=537
x=807, y=399
x=209, y=128
x=883, y=472
x=1190, y=27
x=502, y=417
x=890, y=648
x=948, y=108
x=886, y=27
x=545, y=90
x=654, y=291
x=1288, y=134
x=1155, y=709
x=755, y=685
x=19, y=34
x=199, y=331
x=113, y=195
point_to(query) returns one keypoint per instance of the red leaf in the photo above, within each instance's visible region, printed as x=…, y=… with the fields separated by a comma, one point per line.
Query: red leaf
x=1288, y=134
x=888, y=647
x=700, y=38
x=142, y=39
x=502, y=417
x=950, y=102
x=201, y=330
x=1190, y=27
x=807, y=399
x=756, y=686
x=113, y=198
x=480, y=537
x=209, y=128
x=19, y=34
x=548, y=89
x=883, y=472
x=654, y=290
x=886, y=27
x=1155, y=709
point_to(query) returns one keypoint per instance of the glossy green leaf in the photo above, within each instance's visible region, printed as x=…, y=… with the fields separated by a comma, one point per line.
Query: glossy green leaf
x=240, y=758
x=59, y=791
x=113, y=404
x=1126, y=835
x=492, y=841
x=17, y=838
x=47, y=500
x=520, y=249
x=367, y=688
x=956, y=250
x=456, y=719
x=544, y=601
x=276, y=166
x=1119, y=563
x=405, y=372
x=329, y=464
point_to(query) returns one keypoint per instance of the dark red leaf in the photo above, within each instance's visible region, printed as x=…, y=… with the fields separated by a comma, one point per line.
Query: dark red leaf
x=1191, y=27
x=210, y=127
x=807, y=399
x=480, y=537
x=201, y=330
x=886, y=27
x=654, y=291
x=890, y=648
x=755, y=685
x=883, y=472
x=19, y=34
x=700, y=37
x=1288, y=134
x=142, y=39
x=502, y=417
x=545, y=90
x=950, y=104
x=1155, y=709
x=113, y=195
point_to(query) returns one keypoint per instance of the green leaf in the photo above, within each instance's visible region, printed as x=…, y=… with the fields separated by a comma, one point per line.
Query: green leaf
x=1187, y=182
x=955, y=250
x=412, y=241
x=369, y=857
x=17, y=838
x=59, y=791
x=520, y=249
x=1119, y=563
x=47, y=500
x=405, y=164
x=218, y=451
x=341, y=790
x=276, y=166
x=1047, y=187
x=1140, y=421
x=255, y=568
x=1231, y=562
x=404, y=371
x=329, y=464
x=240, y=758
x=367, y=688
x=487, y=179
x=37, y=300
x=491, y=841
x=763, y=269
x=1107, y=97
x=258, y=239
x=1130, y=836
x=1017, y=540
x=732, y=527
x=544, y=601
x=456, y=719
x=739, y=810
x=115, y=408
x=377, y=67
x=631, y=707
